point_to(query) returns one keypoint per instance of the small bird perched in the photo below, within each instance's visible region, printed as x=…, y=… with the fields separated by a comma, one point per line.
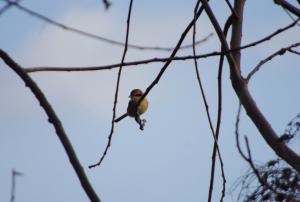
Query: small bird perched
x=135, y=95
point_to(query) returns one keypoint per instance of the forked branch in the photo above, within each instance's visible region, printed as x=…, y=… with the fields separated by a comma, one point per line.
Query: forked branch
x=280, y=52
x=240, y=86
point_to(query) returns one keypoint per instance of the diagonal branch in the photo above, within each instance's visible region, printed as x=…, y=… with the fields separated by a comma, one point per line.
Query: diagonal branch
x=117, y=90
x=56, y=123
x=290, y=15
x=183, y=35
x=288, y=6
x=280, y=52
x=293, y=51
x=241, y=89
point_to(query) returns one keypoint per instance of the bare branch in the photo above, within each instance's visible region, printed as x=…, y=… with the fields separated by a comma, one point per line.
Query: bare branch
x=183, y=35
x=249, y=159
x=289, y=15
x=197, y=73
x=240, y=86
x=232, y=10
x=117, y=90
x=196, y=43
x=237, y=133
x=224, y=52
x=56, y=123
x=5, y=8
x=121, y=117
x=236, y=33
x=278, y=182
x=288, y=6
x=14, y=174
x=226, y=28
x=262, y=181
x=266, y=38
x=293, y=51
x=92, y=35
x=108, y=67
x=280, y=52
x=107, y=4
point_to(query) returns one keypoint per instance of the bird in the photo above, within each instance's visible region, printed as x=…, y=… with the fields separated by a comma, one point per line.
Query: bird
x=134, y=96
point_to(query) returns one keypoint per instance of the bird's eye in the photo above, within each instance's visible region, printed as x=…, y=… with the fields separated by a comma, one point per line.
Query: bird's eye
x=138, y=94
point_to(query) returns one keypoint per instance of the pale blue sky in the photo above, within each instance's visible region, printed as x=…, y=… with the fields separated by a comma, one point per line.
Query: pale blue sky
x=171, y=159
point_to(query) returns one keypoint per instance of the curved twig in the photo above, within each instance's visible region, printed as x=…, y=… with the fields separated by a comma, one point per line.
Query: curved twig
x=95, y=36
x=225, y=31
x=117, y=90
x=249, y=158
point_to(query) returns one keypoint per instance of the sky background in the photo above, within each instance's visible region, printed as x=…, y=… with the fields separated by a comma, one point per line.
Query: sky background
x=171, y=159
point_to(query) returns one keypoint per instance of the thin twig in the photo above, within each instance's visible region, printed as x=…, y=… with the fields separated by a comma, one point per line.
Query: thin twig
x=237, y=132
x=92, y=35
x=280, y=52
x=232, y=10
x=293, y=51
x=108, y=67
x=262, y=181
x=225, y=31
x=280, y=3
x=249, y=159
x=35, y=69
x=107, y=4
x=206, y=106
x=14, y=174
x=290, y=15
x=5, y=8
x=56, y=123
x=196, y=43
x=117, y=90
x=288, y=6
x=121, y=117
